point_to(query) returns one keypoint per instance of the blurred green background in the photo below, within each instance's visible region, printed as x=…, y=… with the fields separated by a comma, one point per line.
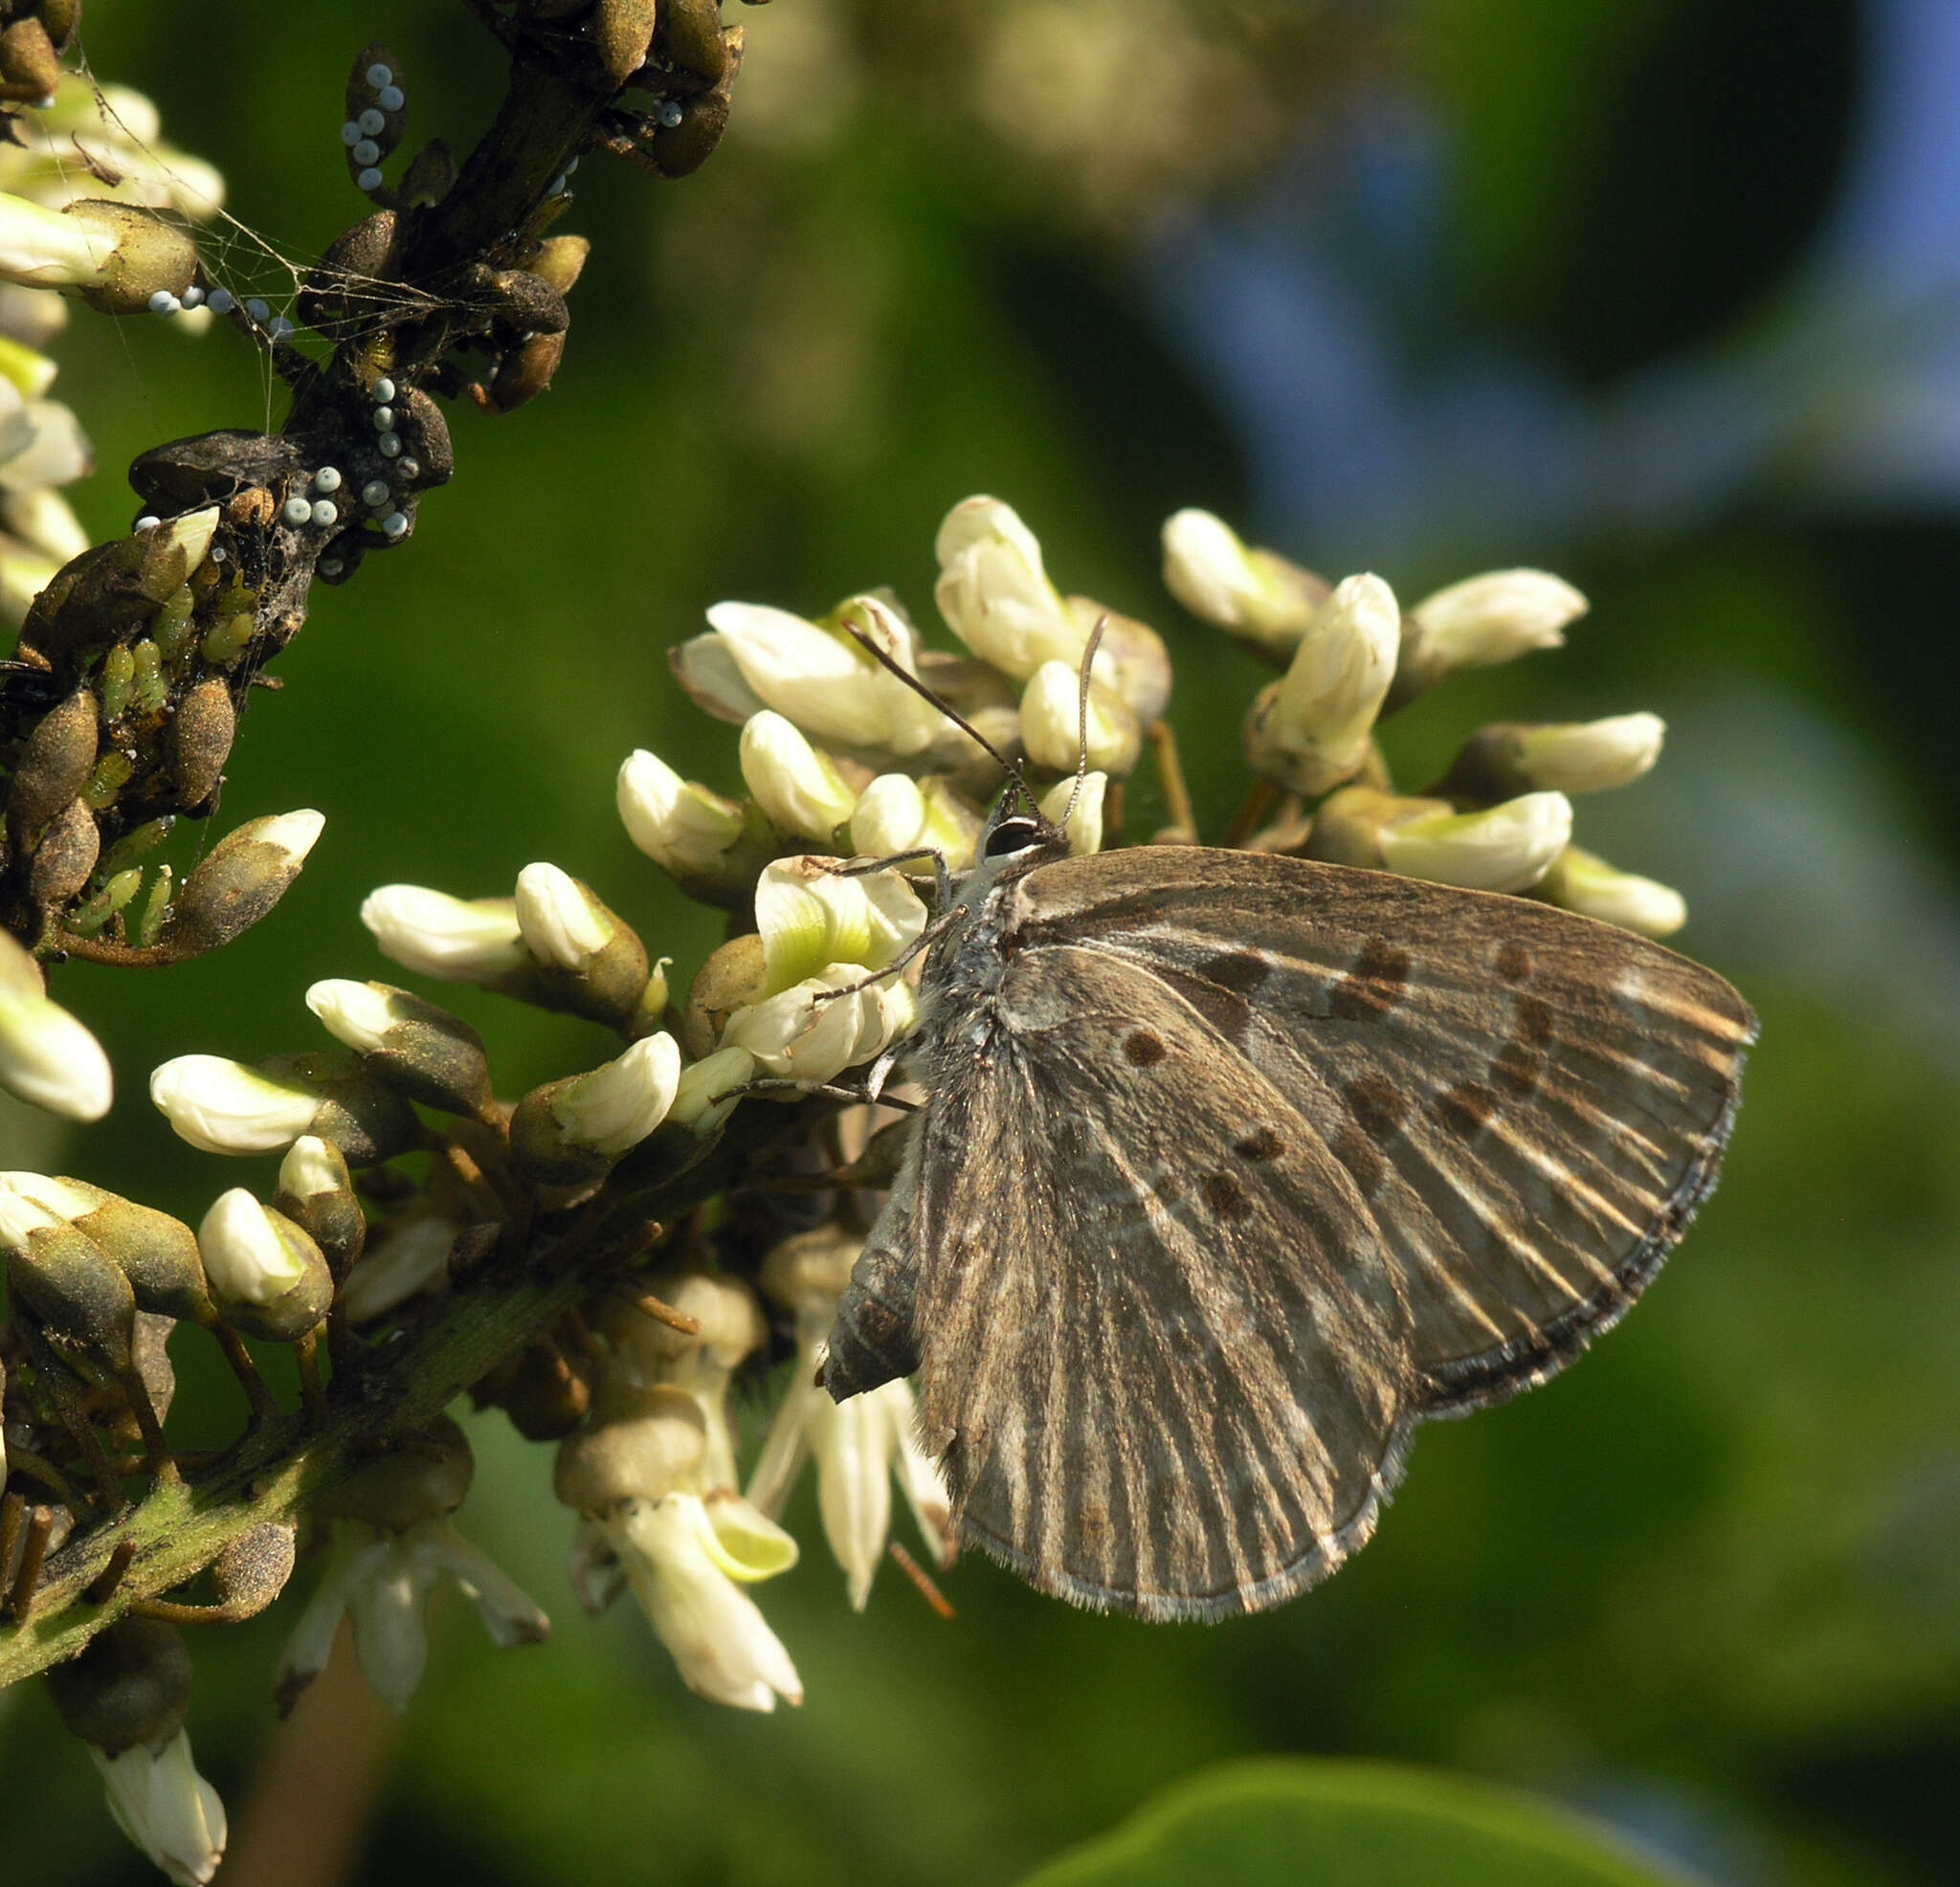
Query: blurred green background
x=1427, y=289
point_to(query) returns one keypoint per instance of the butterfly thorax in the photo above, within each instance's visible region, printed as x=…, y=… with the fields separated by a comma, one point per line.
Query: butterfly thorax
x=965, y=966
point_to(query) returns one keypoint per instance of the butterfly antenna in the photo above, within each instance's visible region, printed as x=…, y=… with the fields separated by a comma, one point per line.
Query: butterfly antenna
x=884, y=660
x=1075, y=792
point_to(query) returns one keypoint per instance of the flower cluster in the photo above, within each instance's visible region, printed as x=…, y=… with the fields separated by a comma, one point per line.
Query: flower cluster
x=669, y=1283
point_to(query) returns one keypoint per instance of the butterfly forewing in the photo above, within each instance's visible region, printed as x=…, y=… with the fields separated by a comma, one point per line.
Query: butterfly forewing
x=1233, y=1167
x=1529, y=1105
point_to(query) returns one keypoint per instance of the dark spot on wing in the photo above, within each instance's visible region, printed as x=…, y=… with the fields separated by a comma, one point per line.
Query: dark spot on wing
x=1373, y=986
x=1228, y=1015
x=1241, y=971
x=1465, y=1108
x=1358, y=1154
x=1223, y=1196
x=1518, y=1069
x=1534, y=1021
x=1261, y=1144
x=1378, y=1105
x=1142, y=1048
x=1513, y=961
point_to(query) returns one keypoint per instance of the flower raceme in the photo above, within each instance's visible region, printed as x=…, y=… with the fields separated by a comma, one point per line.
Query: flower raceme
x=855, y=791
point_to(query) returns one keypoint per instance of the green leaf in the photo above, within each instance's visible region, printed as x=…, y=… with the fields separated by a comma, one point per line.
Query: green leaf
x=1346, y=1825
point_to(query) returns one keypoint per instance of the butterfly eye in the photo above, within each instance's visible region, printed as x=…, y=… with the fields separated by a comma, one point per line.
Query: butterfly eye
x=1011, y=835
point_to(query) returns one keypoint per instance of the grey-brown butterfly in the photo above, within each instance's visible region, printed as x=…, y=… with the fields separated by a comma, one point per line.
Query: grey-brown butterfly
x=1233, y=1168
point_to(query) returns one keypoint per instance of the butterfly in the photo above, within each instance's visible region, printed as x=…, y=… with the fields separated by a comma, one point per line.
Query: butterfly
x=1233, y=1168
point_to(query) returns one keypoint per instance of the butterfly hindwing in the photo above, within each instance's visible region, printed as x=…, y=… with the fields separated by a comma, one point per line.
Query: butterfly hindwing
x=1170, y=1358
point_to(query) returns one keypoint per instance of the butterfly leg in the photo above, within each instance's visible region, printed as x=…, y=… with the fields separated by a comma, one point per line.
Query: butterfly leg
x=872, y=1342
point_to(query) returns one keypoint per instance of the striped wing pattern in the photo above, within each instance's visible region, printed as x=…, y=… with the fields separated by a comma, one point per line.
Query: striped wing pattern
x=1279, y=1159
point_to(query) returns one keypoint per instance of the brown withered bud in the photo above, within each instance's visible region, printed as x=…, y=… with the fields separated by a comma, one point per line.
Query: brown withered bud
x=423, y=1476
x=253, y=1569
x=60, y=17
x=430, y=177
x=526, y=371
x=677, y=150
x=130, y=1685
x=339, y=288
x=201, y=740
x=29, y=68
x=692, y=37
x=53, y=767
x=90, y=602
x=65, y=856
x=544, y=1395
x=523, y=302
x=246, y=874
x=425, y=437
x=620, y=32
x=150, y=1357
x=182, y=474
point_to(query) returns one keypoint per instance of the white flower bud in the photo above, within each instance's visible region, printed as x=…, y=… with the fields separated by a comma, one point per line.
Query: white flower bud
x=995, y=595
x=809, y=918
x=1589, y=756
x=312, y=1166
x=797, y=787
x=164, y=1806
x=699, y=1098
x=617, y=1106
x=247, y=1258
x=459, y=940
x=1581, y=881
x=824, y=680
x=683, y=828
x=562, y=924
x=359, y=1015
x=47, y=1058
x=1053, y=728
x=1309, y=730
x=1504, y=848
x=1486, y=619
x=889, y=816
x=222, y=1106
x=1085, y=823
x=1219, y=580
